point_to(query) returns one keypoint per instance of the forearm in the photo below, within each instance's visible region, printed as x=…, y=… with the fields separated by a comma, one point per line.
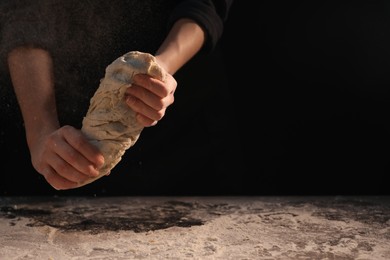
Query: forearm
x=183, y=41
x=31, y=74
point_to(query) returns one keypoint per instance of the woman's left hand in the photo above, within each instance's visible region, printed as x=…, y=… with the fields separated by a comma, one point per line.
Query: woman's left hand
x=150, y=97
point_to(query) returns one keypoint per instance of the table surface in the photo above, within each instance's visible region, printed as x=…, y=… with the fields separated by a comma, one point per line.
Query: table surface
x=322, y=227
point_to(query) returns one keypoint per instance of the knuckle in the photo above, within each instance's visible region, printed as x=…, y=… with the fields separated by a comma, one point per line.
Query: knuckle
x=159, y=105
x=61, y=166
x=165, y=91
x=160, y=114
x=135, y=104
x=67, y=129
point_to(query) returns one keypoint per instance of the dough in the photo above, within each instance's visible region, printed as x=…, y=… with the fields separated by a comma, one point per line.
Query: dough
x=109, y=123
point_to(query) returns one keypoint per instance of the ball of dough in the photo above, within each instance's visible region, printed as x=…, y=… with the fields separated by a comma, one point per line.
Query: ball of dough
x=109, y=123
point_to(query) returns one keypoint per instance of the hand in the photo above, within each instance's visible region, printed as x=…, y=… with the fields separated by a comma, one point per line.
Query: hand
x=150, y=97
x=66, y=158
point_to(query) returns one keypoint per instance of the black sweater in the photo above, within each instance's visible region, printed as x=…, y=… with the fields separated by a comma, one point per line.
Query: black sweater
x=112, y=25
x=85, y=36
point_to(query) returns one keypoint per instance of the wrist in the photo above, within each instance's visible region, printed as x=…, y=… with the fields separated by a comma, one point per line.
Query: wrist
x=35, y=132
x=163, y=63
x=183, y=41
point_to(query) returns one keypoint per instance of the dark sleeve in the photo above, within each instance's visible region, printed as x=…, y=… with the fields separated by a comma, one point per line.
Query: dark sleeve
x=25, y=23
x=209, y=14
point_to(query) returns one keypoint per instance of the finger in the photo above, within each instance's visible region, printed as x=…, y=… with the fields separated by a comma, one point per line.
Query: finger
x=57, y=181
x=74, y=160
x=65, y=170
x=141, y=108
x=146, y=97
x=155, y=86
x=146, y=121
x=81, y=152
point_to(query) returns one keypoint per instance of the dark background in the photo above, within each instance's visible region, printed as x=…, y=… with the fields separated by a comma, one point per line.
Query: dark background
x=312, y=80
x=309, y=84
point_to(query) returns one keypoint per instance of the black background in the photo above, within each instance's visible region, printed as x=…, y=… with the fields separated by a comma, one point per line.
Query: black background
x=312, y=80
x=310, y=90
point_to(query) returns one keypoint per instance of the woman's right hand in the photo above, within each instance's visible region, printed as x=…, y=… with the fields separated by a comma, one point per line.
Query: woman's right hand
x=66, y=158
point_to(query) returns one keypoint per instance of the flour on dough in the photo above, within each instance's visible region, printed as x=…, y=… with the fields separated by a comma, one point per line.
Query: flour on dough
x=109, y=123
